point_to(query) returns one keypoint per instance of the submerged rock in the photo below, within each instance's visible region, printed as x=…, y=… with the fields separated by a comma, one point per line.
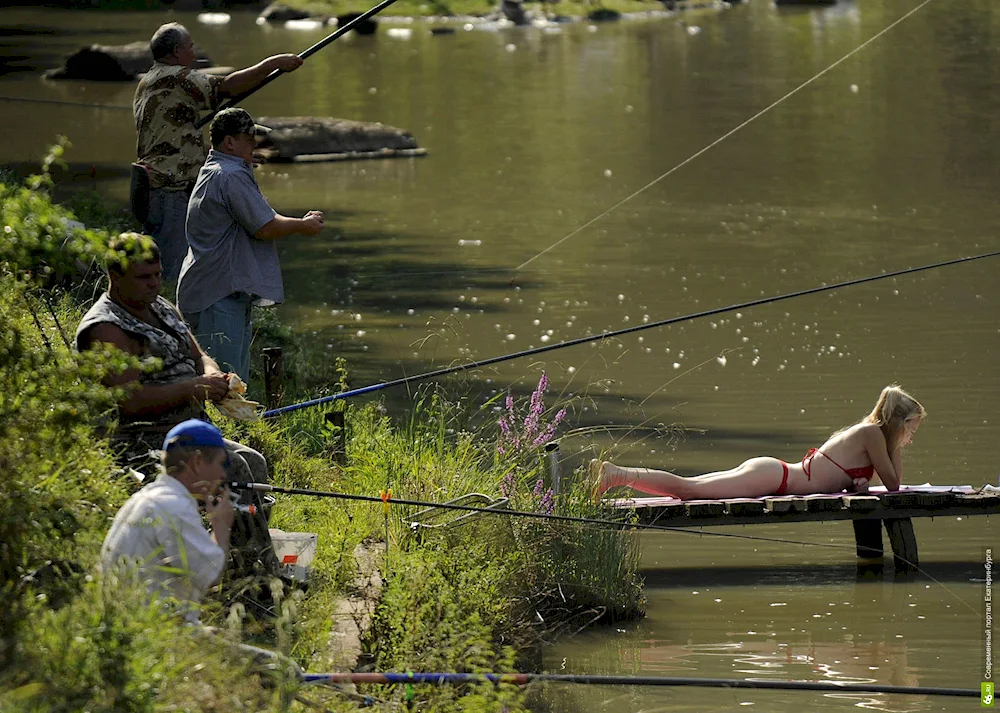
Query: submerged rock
x=110, y=63
x=365, y=27
x=604, y=14
x=276, y=12
x=514, y=11
x=310, y=138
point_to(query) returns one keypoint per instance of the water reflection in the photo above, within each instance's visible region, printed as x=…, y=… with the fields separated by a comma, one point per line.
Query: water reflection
x=863, y=633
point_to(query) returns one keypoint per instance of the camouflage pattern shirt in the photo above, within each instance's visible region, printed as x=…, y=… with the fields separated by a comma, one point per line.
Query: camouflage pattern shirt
x=166, y=105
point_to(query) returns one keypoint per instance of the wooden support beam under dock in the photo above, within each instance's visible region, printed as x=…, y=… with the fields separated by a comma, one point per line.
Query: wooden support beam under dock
x=867, y=511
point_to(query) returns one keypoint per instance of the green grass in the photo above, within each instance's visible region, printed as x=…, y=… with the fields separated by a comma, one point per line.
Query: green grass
x=477, y=597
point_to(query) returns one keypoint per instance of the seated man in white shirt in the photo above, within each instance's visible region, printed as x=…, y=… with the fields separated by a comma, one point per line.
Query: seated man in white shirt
x=160, y=530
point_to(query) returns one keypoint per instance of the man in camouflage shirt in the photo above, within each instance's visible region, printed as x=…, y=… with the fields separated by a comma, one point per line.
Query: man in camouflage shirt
x=166, y=106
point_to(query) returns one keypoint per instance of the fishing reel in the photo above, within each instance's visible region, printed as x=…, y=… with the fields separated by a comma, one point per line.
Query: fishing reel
x=234, y=499
x=237, y=491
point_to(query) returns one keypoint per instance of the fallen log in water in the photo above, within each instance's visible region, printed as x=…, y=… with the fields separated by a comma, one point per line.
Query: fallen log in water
x=111, y=63
x=310, y=138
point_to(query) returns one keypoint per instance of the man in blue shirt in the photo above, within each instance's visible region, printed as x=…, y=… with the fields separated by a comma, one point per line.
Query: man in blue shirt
x=232, y=259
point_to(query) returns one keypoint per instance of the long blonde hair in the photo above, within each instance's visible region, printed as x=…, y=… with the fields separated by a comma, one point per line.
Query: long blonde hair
x=894, y=408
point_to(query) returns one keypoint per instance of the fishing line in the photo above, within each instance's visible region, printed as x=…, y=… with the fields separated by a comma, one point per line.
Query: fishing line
x=523, y=679
x=340, y=31
x=721, y=138
x=617, y=333
x=65, y=103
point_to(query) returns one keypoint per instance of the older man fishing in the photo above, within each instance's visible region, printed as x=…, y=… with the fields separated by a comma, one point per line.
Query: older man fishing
x=170, y=145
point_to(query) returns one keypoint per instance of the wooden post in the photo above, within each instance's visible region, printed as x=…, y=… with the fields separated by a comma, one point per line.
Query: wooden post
x=274, y=376
x=868, y=538
x=335, y=420
x=904, y=544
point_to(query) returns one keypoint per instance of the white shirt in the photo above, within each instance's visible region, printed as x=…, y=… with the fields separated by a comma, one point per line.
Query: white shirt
x=160, y=530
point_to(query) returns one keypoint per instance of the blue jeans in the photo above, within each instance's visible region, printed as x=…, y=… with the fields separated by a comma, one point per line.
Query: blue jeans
x=167, y=215
x=224, y=330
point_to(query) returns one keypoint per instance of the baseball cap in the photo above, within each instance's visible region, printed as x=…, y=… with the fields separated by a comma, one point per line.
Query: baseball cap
x=193, y=433
x=233, y=122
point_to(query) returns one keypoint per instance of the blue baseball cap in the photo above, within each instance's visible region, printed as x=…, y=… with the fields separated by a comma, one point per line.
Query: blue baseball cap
x=193, y=433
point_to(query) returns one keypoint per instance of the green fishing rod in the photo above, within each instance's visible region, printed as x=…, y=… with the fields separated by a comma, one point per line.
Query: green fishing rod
x=305, y=54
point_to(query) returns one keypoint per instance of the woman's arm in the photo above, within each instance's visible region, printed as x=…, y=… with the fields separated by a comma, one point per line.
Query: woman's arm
x=889, y=468
x=896, y=457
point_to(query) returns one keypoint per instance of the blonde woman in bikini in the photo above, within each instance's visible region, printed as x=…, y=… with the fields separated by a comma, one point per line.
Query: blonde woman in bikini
x=848, y=460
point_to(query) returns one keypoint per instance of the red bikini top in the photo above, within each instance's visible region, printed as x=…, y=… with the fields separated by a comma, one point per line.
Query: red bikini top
x=866, y=472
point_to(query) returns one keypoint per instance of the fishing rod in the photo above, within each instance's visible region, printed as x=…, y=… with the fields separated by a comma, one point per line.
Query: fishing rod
x=523, y=679
x=615, y=333
x=386, y=499
x=339, y=32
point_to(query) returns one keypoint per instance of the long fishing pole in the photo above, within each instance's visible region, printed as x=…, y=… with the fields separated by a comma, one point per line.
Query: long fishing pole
x=615, y=333
x=339, y=32
x=523, y=679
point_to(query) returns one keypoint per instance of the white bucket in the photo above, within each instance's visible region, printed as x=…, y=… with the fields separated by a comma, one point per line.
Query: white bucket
x=295, y=552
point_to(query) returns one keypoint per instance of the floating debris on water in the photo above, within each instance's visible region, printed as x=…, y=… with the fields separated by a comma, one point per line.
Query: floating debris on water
x=308, y=23
x=214, y=18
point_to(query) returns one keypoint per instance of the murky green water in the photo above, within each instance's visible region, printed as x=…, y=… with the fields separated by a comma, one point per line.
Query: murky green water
x=888, y=160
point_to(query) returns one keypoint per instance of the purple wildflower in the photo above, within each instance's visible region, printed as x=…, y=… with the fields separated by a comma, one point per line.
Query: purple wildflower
x=547, y=505
x=535, y=409
x=539, y=484
x=550, y=430
x=507, y=486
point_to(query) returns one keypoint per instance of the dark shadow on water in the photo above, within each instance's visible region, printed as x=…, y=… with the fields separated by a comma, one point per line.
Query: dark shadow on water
x=800, y=575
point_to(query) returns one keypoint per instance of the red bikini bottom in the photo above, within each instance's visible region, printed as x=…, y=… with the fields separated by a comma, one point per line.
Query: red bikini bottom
x=784, y=478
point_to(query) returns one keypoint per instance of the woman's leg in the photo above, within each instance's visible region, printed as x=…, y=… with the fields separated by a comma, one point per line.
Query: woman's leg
x=751, y=479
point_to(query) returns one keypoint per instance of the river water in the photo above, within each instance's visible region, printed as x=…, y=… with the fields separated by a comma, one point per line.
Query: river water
x=547, y=209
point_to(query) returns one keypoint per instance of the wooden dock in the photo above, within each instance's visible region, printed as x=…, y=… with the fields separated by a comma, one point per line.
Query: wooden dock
x=867, y=512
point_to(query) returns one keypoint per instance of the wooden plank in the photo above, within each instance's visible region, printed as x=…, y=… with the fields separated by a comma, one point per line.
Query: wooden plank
x=861, y=503
x=783, y=505
x=896, y=501
x=934, y=501
x=745, y=508
x=708, y=508
x=975, y=499
x=818, y=505
x=855, y=507
x=658, y=513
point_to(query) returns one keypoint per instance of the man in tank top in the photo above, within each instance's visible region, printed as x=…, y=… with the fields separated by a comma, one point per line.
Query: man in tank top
x=133, y=317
